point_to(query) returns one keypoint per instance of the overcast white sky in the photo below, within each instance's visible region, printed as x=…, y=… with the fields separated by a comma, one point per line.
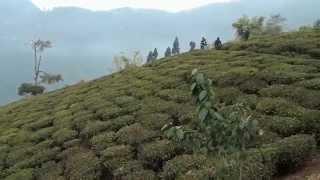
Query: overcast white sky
x=168, y=5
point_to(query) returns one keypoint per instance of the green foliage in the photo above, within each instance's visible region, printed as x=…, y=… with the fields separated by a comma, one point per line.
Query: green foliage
x=269, y=160
x=127, y=169
x=134, y=170
x=214, y=132
x=280, y=107
x=82, y=164
x=31, y=89
x=168, y=52
x=155, y=121
x=317, y=24
x=300, y=43
x=50, y=171
x=25, y=174
x=154, y=154
x=183, y=164
x=39, y=124
x=293, y=151
x=117, y=156
x=38, y=47
x=150, y=57
x=50, y=78
x=249, y=101
x=217, y=44
x=246, y=26
x=286, y=126
x=122, y=61
x=313, y=84
x=94, y=127
x=176, y=95
x=274, y=24
x=227, y=96
x=72, y=143
x=134, y=135
x=64, y=135
x=307, y=98
x=155, y=54
x=141, y=175
x=306, y=29
x=203, y=43
x=176, y=47
x=116, y=120
x=103, y=141
x=192, y=45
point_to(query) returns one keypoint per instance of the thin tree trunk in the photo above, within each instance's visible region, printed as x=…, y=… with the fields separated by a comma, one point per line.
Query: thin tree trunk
x=38, y=70
x=35, y=65
x=240, y=165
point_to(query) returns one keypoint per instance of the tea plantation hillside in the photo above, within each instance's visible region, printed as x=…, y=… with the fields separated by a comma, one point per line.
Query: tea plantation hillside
x=110, y=128
x=304, y=43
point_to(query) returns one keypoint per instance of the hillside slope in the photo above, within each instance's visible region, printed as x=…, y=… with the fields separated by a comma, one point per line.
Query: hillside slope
x=85, y=42
x=110, y=127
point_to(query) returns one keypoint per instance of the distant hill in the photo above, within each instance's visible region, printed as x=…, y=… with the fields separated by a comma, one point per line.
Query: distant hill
x=109, y=128
x=85, y=41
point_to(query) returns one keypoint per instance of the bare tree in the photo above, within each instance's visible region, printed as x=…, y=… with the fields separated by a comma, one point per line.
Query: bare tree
x=38, y=47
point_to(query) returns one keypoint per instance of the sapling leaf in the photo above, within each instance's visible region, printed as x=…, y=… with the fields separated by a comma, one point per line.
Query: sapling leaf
x=203, y=95
x=200, y=79
x=203, y=114
x=180, y=134
x=193, y=87
x=170, y=133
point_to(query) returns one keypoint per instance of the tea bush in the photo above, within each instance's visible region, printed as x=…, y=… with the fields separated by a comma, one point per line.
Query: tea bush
x=116, y=120
x=134, y=135
x=154, y=154
x=103, y=141
x=117, y=156
x=83, y=164
x=180, y=165
x=64, y=135
x=25, y=174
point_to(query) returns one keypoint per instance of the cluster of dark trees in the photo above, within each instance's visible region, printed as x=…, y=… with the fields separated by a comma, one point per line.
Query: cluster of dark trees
x=153, y=55
x=245, y=27
x=317, y=24
x=175, y=50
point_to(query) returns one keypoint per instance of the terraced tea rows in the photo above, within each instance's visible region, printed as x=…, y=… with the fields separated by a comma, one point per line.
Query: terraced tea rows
x=110, y=127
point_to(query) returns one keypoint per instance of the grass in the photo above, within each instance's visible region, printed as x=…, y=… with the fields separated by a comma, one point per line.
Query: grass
x=110, y=127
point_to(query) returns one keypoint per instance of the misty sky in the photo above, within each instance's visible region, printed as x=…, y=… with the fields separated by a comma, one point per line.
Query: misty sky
x=167, y=5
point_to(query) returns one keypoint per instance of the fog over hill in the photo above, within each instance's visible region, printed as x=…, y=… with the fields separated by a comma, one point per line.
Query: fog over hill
x=85, y=41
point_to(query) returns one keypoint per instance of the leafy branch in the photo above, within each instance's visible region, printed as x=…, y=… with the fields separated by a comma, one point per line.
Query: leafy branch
x=214, y=133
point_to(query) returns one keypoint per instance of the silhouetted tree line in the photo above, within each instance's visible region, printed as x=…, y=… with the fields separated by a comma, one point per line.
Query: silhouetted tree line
x=245, y=28
x=175, y=50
